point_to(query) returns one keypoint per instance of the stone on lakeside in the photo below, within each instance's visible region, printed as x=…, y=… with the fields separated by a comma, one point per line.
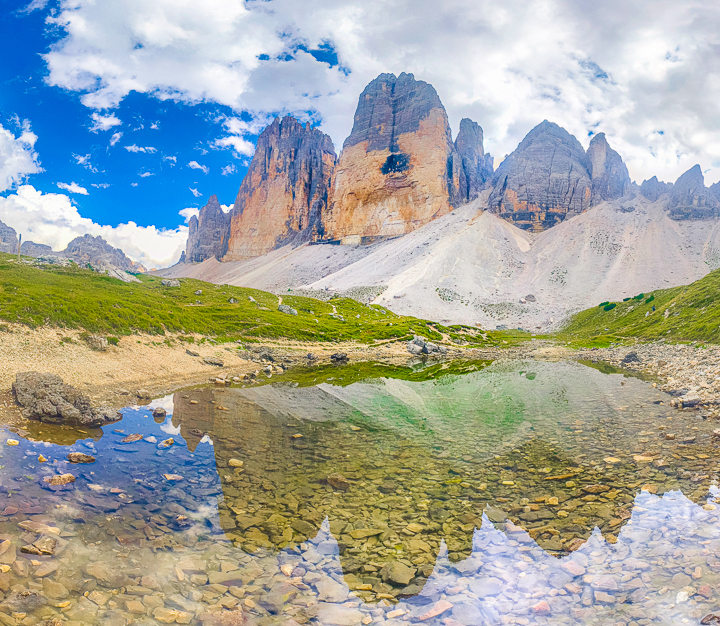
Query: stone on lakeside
x=213, y=360
x=45, y=397
x=338, y=481
x=158, y=411
x=79, y=457
x=397, y=572
x=97, y=342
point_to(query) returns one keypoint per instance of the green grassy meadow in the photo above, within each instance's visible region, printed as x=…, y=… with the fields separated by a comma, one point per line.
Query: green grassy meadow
x=681, y=314
x=78, y=298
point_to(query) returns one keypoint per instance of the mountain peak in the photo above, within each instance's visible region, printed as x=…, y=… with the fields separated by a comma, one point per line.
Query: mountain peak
x=609, y=175
x=543, y=181
x=690, y=199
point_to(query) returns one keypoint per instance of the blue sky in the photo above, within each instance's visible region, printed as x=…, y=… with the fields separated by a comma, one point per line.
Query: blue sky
x=148, y=187
x=120, y=117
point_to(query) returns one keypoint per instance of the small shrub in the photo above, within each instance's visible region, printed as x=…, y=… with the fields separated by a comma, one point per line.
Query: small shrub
x=640, y=296
x=113, y=341
x=604, y=303
x=626, y=299
x=649, y=300
x=609, y=307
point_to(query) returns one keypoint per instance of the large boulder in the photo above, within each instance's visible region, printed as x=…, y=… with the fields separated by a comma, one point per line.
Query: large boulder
x=45, y=397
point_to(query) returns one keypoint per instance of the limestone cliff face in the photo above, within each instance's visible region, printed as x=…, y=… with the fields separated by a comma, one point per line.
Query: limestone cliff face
x=8, y=239
x=609, y=175
x=208, y=233
x=399, y=168
x=284, y=193
x=545, y=180
x=690, y=199
x=477, y=167
x=97, y=251
x=652, y=189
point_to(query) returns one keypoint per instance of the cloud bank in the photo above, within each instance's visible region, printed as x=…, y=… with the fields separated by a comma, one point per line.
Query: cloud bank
x=52, y=219
x=18, y=158
x=644, y=73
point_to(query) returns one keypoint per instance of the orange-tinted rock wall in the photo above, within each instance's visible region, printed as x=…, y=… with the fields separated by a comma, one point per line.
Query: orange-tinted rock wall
x=284, y=193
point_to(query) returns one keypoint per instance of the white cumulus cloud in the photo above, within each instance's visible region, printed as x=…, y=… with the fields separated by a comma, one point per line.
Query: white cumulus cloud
x=188, y=213
x=196, y=166
x=115, y=138
x=52, y=219
x=73, y=187
x=134, y=148
x=195, y=192
x=229, y=169
x=104, y=122
x=18, y=158
x=85, y=161
x=628, y=69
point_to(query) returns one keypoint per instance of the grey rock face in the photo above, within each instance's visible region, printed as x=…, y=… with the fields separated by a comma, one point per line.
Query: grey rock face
x=391, y=106
x=8, y=239
x=30, y=248
x=652, y=189
x=545, y=180
x=288, y=310
x=715, y=190
x=47, y=398
x=609, y=175
x=208, y=234
x=690, y=199
x=96, y=251
x=477, y=167
x=292, y=165
x=170, y=282
x=419, y=346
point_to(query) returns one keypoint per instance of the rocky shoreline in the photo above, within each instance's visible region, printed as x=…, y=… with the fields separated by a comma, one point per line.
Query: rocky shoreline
x=690, y=373
x=143, y=367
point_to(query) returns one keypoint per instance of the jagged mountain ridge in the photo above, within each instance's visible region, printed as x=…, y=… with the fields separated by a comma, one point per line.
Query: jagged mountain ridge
x=554, y=220
x=83, y=250
x=398, y=170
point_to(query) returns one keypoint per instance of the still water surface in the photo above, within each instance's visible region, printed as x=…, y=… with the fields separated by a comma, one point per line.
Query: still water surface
x=510, y=493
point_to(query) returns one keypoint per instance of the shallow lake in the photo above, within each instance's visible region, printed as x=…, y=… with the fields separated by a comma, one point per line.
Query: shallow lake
x=512, y=492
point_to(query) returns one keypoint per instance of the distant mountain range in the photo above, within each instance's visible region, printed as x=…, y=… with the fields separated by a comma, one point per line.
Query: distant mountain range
x=84, y=250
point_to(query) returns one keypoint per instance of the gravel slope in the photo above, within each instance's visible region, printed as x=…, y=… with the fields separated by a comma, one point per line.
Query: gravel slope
x=475, y=268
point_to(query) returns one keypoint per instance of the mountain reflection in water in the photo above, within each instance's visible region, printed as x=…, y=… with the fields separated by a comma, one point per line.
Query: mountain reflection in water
x=524, y=492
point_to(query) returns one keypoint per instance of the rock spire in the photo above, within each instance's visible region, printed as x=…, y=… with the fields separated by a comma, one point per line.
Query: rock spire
x=284, y=193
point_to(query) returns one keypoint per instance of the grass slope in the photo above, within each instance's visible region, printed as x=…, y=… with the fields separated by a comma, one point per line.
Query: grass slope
x=74, y=297
x=688, y=313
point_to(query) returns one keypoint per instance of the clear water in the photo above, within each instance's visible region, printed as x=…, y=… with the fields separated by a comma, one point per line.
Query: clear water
x=523, y=492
